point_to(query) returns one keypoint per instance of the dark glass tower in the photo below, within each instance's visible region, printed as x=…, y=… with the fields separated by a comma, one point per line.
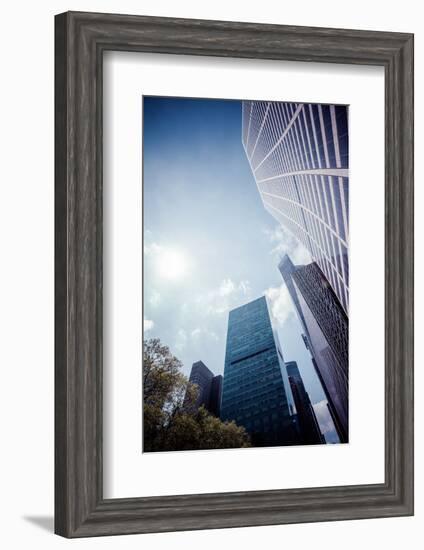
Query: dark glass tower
x=209, y=387
x=307, y=421
x=256, y=391
x=326, y=328
x=202, y=377
x=216, y=395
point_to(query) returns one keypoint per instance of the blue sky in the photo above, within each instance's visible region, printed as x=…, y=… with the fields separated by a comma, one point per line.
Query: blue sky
x=209, y=244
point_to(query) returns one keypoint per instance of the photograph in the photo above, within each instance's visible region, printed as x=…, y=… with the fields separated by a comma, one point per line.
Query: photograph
x=245, y=274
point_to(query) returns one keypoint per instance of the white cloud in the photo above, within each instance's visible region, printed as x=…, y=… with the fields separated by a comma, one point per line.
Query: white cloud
x=152, y=249
x=181, y=339
x=226, y=288
x=280, y=303
x=148, y=324
x=227, y=296
x=154, y=298
x=197, y=333
x=244, y=287
x=284, y=243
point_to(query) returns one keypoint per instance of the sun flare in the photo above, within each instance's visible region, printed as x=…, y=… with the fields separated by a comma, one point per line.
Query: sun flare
x=172, y=264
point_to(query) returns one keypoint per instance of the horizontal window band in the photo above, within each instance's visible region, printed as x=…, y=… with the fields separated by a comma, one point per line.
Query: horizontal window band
x=337, y=172
x=251, y=355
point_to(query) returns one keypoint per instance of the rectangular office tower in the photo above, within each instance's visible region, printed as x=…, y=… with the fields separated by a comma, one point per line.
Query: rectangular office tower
x=209, y=387
x=326, y=335
x=307, y=421
x=298, y=154
x=256, y=391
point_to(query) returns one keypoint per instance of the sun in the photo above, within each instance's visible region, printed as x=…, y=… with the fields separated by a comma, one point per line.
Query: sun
x=172, y=264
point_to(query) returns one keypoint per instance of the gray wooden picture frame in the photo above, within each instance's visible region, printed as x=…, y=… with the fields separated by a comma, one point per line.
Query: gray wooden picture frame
x=80, y=40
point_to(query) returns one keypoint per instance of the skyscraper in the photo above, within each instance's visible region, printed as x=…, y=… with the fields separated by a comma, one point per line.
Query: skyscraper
x=307, y=421
x=256, y=391
x=202, y=377
x=209, y=387
x=215, y=396
x=298, y=154
x=326, y=334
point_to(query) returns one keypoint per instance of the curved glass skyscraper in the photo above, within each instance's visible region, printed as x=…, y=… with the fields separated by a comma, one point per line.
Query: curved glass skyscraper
x=299, y=157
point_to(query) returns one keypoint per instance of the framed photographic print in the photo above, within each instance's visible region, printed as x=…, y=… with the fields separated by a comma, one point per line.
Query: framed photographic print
x=234, y=274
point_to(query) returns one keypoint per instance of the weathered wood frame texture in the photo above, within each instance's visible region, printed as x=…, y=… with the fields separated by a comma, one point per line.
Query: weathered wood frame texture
x=80, y=40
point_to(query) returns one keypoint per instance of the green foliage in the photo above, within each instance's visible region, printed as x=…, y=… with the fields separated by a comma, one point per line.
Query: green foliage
x=172, y=422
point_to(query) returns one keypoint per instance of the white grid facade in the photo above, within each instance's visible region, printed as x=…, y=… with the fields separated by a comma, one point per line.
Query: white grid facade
x=299, y=157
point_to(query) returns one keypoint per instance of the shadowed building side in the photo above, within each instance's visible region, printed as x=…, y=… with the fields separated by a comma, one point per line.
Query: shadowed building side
x=216, y=395
x=326, y=329
x=307, y=421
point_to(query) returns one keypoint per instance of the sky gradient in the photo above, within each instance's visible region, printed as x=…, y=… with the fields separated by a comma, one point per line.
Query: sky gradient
x=209, y=244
